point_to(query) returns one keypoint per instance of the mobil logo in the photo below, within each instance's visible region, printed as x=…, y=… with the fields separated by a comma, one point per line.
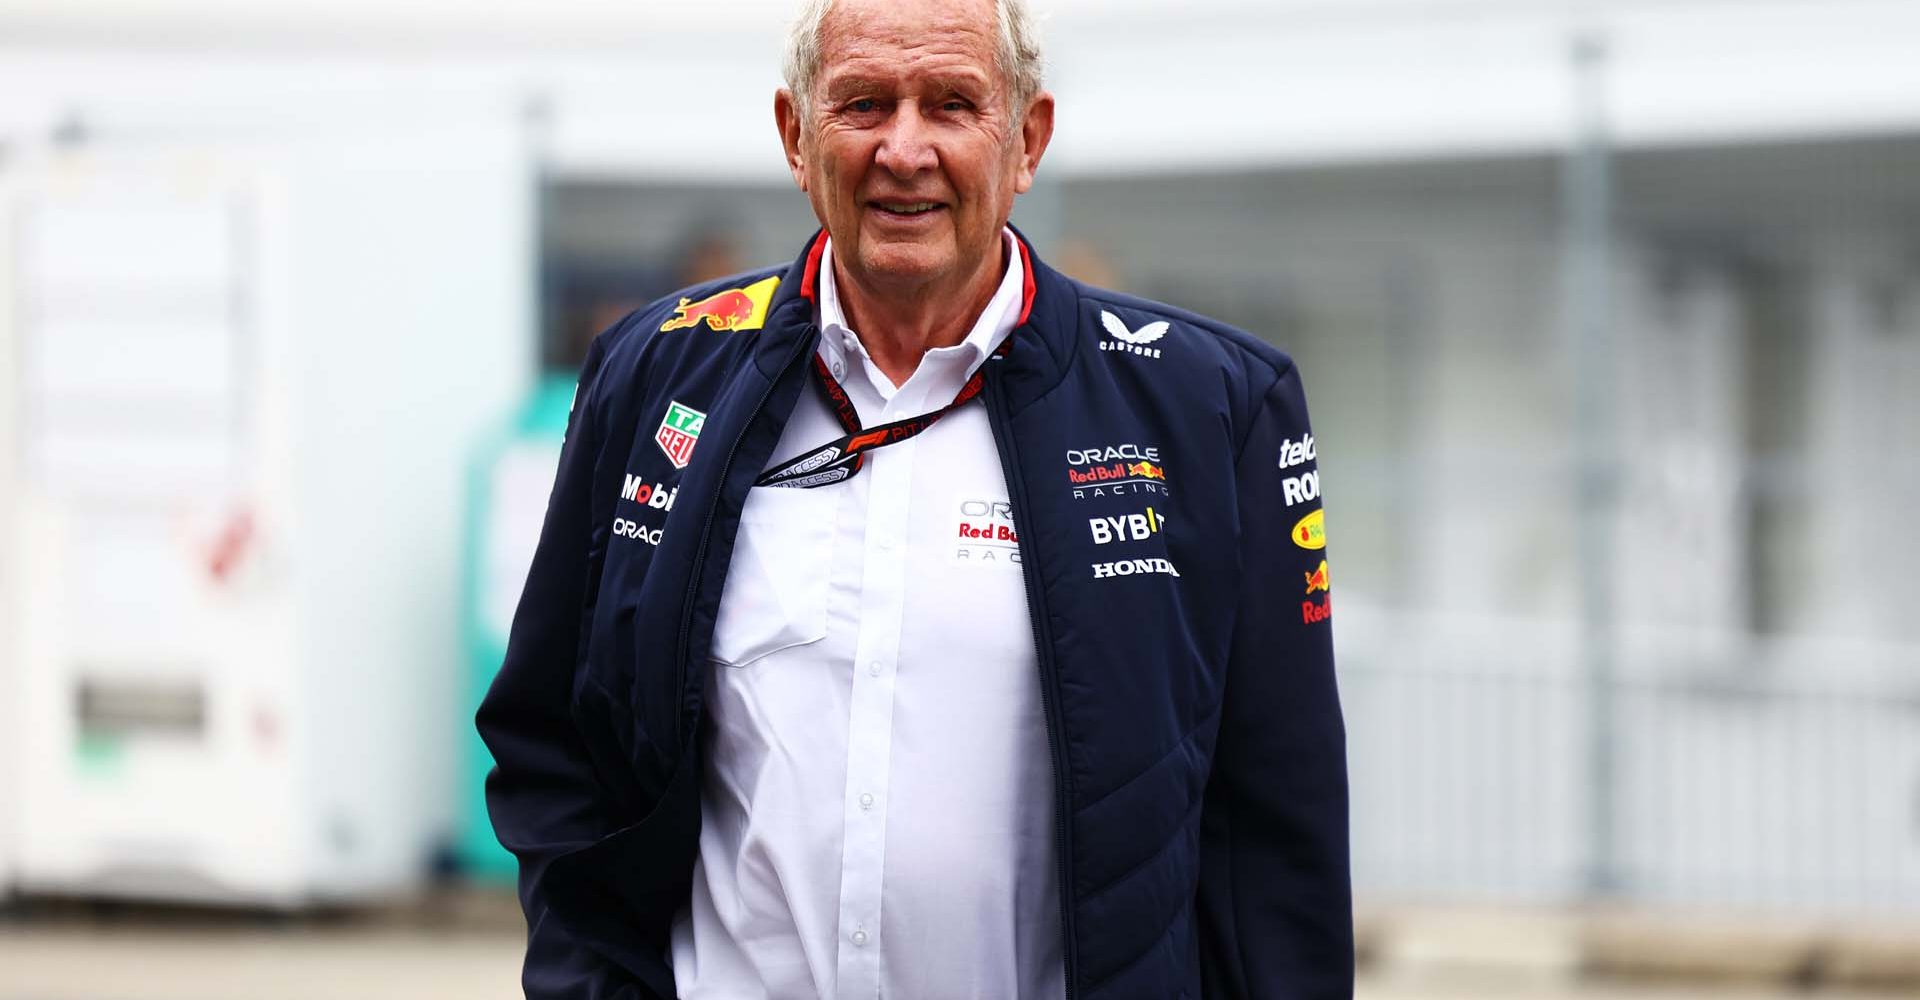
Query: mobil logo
x=654, y=495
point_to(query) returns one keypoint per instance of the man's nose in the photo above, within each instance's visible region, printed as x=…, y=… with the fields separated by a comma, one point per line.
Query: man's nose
x=906, y=147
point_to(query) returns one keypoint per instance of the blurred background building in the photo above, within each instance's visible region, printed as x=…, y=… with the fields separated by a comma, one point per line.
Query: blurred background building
x=1609, y=313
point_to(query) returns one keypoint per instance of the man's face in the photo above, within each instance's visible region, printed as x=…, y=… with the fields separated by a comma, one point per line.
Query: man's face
x=909, y=151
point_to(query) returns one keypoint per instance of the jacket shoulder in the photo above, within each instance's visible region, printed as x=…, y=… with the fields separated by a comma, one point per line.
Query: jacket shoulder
x=1125, y=322
x=737, y=303
x=686, y=329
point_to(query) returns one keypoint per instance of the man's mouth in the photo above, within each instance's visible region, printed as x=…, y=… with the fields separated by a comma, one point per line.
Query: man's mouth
x=907, y=209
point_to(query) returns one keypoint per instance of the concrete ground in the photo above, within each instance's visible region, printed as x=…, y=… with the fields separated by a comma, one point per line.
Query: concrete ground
x=121, y=963
x=467, y=945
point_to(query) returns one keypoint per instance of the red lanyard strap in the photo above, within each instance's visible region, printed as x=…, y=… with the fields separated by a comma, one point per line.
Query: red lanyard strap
x=843, y=458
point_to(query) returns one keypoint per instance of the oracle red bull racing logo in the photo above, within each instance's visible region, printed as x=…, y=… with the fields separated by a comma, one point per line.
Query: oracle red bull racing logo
x=986, y=533
x=733, y=309
x=1115, y=469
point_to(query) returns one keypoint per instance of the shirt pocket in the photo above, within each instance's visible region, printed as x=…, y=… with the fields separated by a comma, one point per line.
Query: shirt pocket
x=776, y=592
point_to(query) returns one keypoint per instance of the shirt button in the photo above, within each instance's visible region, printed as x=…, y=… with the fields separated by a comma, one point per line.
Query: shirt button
x=860, y=939
x=839, y=370
x=874, y=668
x=866, y=800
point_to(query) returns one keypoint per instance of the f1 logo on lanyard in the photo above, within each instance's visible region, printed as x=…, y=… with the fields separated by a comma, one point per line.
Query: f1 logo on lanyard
x=842, y=459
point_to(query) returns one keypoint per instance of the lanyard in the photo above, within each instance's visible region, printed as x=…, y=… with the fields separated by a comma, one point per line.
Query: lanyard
x=842, y=459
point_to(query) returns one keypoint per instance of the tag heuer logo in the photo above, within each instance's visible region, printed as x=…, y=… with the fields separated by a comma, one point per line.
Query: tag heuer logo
x=679, y=429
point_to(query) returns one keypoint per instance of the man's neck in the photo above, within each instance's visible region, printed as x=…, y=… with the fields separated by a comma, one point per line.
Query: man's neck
x=898, y=326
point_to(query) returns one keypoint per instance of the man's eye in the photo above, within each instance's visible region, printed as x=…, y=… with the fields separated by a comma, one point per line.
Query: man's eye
x=864, y=105
x=954, y=104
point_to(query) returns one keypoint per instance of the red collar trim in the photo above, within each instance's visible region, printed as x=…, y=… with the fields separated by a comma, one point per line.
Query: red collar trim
x=812, y=273
x=809, y=278
x=1026, y=282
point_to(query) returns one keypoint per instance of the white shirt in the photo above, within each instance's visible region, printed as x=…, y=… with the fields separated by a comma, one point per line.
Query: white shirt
x=877, y=806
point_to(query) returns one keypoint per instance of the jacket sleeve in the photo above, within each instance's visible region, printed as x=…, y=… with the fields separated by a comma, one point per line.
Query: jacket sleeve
x=1275, y=899
x=542, y=795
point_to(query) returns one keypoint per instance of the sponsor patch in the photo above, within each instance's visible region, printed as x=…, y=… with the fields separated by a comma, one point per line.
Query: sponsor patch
x=985, y=533
x=1133, y=567
x=1310, y=532
x=655, y=495
x=1301, y=488
x=1112, y=453
x=1115, y=469
x=1299, y=452
x=628, y=528
x=1131, y=341
x=1126, y=528
x=733, y=309
x=679, y=429
x=1317, y=580
x=1314, y=612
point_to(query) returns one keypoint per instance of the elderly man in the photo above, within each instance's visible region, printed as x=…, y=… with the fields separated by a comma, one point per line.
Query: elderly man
x=913, y=621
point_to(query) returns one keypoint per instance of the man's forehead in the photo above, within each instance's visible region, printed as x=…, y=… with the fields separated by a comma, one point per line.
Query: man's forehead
x=857, y=31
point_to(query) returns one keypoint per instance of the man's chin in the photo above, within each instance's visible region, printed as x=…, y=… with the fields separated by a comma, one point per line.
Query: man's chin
x=908, y=262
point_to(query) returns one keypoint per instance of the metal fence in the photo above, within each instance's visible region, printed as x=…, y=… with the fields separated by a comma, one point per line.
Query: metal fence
x=1749, y=772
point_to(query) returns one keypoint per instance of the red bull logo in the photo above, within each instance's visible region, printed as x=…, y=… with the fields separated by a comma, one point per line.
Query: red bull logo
x=1312, y=613
x=1117, y=472
x=733, y=309
x=1317, y=580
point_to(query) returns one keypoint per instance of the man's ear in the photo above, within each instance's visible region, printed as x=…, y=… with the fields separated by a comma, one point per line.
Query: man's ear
x=1036, y=130
x=786, y=114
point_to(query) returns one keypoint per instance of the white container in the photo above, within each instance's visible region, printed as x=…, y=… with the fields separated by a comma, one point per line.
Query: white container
x=245, y=383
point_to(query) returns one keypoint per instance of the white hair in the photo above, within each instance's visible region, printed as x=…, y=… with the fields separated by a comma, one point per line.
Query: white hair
x=1018, y=52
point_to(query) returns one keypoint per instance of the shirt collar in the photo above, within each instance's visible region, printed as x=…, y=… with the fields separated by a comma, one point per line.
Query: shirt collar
x=839, y=342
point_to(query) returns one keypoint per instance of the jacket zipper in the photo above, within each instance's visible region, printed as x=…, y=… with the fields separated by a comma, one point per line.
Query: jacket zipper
x=1001, y=423
x=706, y=526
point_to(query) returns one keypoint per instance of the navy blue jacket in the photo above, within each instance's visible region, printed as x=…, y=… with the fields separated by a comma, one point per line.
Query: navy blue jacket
x=1199, y=756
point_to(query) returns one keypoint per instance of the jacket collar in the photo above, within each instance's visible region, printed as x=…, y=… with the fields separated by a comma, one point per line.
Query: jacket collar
x=1043, y=340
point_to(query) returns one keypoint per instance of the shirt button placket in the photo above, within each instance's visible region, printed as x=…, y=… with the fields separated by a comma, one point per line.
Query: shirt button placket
x=869, y=742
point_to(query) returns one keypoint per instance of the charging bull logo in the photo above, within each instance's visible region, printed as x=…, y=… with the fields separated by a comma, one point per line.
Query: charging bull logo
x=733, y=309
x=1146, y=470
x=1317, y=580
